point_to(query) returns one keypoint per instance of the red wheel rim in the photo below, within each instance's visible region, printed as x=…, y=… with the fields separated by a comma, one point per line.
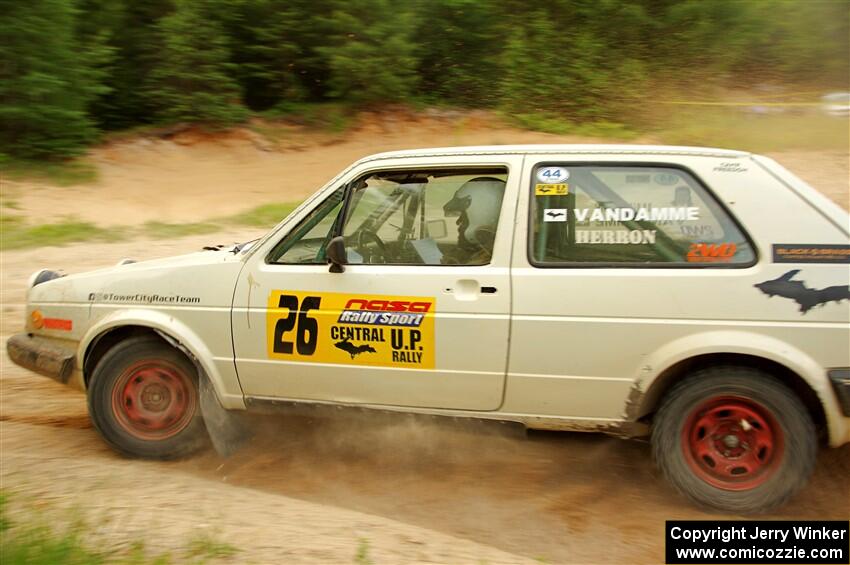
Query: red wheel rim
x=153, y=400
x=732, y=443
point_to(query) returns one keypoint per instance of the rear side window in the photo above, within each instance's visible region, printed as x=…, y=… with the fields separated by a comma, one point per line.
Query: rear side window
x=610, y=215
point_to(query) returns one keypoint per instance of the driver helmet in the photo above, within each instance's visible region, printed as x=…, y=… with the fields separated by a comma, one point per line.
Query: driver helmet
x=476, y=204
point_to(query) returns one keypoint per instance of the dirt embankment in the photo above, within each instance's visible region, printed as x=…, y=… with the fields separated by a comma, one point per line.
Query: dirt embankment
x=321, y=490
x=192, y=177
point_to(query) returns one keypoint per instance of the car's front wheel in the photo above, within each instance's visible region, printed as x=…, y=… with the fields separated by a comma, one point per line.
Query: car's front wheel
x=143, y=400
x=734, y=439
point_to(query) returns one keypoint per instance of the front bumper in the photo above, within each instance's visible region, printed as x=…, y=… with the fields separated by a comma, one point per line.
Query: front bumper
x=42, y=355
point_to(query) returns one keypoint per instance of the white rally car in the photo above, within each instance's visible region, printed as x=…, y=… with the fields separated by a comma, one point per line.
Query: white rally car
x=695, y=296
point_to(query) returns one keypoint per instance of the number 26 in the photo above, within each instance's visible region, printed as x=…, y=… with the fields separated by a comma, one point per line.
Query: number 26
x=307, y=334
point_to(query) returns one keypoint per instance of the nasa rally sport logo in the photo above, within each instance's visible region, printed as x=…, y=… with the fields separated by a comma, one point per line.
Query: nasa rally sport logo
x=384, y=312
x=552, y=175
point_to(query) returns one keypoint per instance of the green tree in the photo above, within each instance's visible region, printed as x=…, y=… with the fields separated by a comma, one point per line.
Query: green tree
x=564, y=58
x=193, y=79
x=371, y=54
x=804, y=42
x=129, y=28
x=263, y=49
x=48, y=79
x=744, y=42
x=460, y=43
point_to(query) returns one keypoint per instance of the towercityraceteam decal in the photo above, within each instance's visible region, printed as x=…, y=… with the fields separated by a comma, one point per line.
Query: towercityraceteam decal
x=353, y=329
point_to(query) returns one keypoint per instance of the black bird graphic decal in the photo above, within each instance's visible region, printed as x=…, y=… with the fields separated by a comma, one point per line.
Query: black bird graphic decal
x=352, y=349
x=797, y=291
x=553, y=214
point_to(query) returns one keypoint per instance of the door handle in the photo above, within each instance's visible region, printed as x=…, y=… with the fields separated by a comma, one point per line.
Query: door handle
x=467, y=290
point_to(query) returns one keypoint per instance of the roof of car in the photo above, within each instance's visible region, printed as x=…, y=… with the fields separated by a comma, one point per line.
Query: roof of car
x=578, y=149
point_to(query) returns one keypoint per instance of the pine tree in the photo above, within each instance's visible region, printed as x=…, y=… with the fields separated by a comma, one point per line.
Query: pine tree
x=193, y=80
x=372, y=52
x=129, y=29
x=460, y=48
x=48, y=79
x=564, y=59
x=263, y=50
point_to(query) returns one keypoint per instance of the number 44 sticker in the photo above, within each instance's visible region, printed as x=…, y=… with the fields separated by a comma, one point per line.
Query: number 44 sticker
x=551, y=175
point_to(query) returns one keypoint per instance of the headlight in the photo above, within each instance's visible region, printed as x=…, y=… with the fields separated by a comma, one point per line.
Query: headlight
x=41, y=276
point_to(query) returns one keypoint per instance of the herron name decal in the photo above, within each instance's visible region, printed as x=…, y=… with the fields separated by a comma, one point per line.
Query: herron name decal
x=352, y=329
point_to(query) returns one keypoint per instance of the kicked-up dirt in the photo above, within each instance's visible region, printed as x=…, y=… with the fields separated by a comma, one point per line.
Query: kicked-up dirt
x=340, y=489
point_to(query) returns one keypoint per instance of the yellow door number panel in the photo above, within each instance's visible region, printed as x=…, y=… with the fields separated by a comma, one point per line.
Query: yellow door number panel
x=551, y=189
x=353, y=329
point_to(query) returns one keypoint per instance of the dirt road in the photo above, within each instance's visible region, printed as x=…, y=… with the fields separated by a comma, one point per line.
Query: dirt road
x=319, y=490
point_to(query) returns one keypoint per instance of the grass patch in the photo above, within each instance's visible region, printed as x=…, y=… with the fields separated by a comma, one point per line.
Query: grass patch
x=61, y=173
x=5, y=523
x=271, y=132
x=265, y=216
x=330, y=117
x=132, y=133
x=9, y=203
x=15, y=233
x=361, y=557
x=744, y=129
x=560, y=126
x=36, y=544
x=205, y=547
x=163, y=230
x=31, y=541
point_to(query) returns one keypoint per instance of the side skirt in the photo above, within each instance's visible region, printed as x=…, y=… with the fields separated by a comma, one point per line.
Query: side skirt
x=617, y=428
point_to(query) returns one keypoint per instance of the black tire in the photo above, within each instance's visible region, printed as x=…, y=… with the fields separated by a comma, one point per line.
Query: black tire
x=143, y=400
x=774, y=450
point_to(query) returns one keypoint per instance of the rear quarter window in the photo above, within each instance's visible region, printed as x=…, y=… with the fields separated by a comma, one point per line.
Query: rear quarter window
x=618, y=215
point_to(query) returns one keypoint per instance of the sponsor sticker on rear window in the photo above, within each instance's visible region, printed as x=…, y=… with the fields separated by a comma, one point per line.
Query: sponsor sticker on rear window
x=551, y=189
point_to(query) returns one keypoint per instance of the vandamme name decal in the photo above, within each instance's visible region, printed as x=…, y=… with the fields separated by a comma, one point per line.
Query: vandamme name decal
x=142, y=298
x=330, y=327
x=682, y=214
x=797, y=291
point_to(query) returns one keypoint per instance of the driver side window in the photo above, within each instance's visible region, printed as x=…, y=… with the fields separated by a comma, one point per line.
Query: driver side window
x=418, y=217
x=425, y=217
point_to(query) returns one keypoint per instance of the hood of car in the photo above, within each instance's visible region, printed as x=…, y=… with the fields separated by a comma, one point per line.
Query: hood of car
x=205, y=277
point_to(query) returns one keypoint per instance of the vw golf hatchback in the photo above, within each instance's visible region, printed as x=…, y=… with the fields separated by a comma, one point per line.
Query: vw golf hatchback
x=694, y=296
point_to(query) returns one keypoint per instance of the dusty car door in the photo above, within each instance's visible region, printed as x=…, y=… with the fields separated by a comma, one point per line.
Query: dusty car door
x=420, y=315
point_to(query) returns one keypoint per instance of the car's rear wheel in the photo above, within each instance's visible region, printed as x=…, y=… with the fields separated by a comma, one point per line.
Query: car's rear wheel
x=734, y=439
x=143, y=400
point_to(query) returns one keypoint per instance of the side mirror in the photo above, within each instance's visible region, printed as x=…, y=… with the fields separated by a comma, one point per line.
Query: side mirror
x=336, y=254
